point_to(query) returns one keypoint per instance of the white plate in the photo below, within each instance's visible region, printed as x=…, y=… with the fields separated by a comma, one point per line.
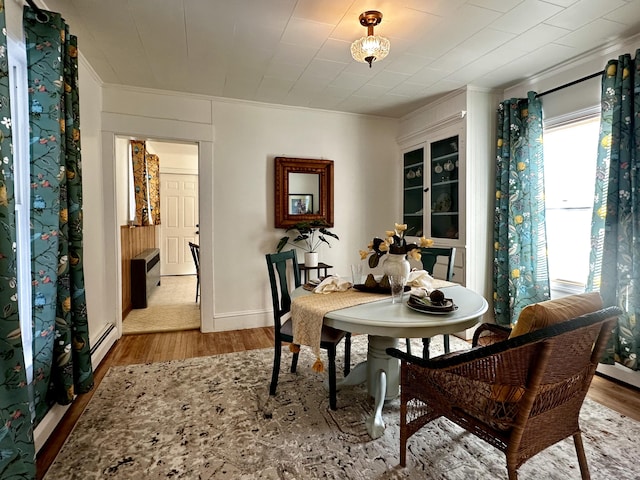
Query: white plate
x=443, y=203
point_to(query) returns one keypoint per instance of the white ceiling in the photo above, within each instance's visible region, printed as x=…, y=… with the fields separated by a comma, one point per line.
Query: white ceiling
x=296, y=52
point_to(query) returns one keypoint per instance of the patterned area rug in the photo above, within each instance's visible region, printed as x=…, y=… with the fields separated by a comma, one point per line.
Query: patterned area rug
x=212, y=418
x=171, y=307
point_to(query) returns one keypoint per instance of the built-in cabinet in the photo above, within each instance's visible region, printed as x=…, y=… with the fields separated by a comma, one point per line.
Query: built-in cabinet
x=447, y=180
x=433, y=189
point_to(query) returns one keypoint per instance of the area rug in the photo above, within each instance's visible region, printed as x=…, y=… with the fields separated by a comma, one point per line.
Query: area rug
x=212, y=418
x=171, y=307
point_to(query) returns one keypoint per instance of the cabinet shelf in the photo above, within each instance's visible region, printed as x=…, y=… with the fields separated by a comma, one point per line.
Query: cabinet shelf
x=446, y=182
x=444, y=157
x=419, y=187
x=442, y=214
x=413, y=165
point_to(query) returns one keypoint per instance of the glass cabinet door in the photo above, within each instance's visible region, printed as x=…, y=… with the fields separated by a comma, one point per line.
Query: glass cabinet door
x=444, y=188
x=413, y=187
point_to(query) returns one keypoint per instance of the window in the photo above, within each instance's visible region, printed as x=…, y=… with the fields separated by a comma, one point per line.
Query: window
x=570, y=154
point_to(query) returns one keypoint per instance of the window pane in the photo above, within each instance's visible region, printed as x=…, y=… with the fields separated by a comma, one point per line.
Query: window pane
x=570, y=154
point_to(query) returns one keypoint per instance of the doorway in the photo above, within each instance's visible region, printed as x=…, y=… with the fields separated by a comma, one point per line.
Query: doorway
x=178, y=205
x=173, y=306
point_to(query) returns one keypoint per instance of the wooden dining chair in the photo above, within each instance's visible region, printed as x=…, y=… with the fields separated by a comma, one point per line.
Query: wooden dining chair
x=521, y=393
x=195, y=253
x=429, y=258
x=280, y=266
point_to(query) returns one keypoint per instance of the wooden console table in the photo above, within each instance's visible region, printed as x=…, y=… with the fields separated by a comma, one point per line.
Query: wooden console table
x=321, y=266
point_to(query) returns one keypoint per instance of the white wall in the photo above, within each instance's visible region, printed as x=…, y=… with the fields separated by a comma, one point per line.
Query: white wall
x=96, y=204
x=578, y=97
x=248, y=137
x=237, y=184
x=175, y=157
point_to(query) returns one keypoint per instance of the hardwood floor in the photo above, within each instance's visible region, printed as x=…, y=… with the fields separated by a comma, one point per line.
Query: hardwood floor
x=159, y=347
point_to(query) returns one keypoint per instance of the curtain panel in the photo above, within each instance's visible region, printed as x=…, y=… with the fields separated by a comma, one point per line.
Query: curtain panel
x=520, y=275
x=146, y=183
x=16, y=436
x=62, y=359
x=614, y=267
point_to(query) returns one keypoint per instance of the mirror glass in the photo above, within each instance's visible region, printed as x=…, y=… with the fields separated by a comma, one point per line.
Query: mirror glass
x=304, y=196
x=303, y=191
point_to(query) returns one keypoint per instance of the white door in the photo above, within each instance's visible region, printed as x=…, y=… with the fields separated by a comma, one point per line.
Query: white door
x=179, y=220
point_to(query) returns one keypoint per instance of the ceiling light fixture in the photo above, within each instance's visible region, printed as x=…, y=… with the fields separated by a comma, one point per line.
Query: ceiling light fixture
x=371, y=48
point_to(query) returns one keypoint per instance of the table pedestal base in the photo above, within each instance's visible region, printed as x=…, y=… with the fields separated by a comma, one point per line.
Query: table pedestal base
x=382, y=374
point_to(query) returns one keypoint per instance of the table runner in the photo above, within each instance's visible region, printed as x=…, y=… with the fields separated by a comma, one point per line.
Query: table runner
x=308, y=311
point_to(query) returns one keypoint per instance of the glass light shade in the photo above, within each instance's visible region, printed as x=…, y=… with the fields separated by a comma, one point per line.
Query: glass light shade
x=370, y=48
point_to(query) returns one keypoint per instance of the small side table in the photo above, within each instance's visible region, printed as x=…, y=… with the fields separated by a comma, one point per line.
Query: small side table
x=321, y=266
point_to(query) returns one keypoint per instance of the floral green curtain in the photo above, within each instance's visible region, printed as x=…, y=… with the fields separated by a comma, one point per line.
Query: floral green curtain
x=62, y=360
x=521, y=274
x=153, y=179
x=614, y=267
x=17, y=454
x=146, y=182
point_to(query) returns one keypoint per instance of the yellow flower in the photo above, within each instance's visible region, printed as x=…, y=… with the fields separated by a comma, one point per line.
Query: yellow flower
x=606, y=141
x=4, y=199
x=370, y=246
x=515, y=273
x=390, y=233
x=518, y=219
x=500, y=142
x=522, y=166
x=611, y=70
x=384, y=247
x=415, y=254
x=401, y=227
x=425, y=242
x=364, y=254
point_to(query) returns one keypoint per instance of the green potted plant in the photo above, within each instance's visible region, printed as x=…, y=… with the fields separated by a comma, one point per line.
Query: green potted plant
x=308, y=236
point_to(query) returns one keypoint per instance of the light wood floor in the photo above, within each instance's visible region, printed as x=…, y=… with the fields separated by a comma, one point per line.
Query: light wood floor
x=159, y=347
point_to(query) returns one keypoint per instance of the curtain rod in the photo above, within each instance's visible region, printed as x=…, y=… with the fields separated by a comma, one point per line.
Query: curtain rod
x=40, y=15
x=588, y=77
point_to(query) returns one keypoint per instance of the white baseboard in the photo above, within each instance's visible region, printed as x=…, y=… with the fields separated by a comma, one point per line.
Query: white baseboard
x=619, y=372
x=53, y=417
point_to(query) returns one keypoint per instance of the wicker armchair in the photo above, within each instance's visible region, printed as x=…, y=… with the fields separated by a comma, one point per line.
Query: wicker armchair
x=520, y=394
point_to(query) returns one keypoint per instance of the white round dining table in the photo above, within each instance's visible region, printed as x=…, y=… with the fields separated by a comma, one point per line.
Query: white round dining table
x=384, y=323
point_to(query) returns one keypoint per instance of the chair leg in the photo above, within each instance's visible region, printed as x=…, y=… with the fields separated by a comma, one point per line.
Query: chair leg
x=347, y=354
x=332, y=378
x=582, y=458
x=408, y=345
x=425, y=348
x=445, y=338
x=294, y=362
x=277, y=353
x=197, y=288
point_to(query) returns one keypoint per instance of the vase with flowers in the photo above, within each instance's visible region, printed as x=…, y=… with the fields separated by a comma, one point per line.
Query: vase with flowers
x=395, y=244
x=308, y=236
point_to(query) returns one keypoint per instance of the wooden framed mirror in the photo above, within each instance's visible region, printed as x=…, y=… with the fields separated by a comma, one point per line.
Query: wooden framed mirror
x=303, y=191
